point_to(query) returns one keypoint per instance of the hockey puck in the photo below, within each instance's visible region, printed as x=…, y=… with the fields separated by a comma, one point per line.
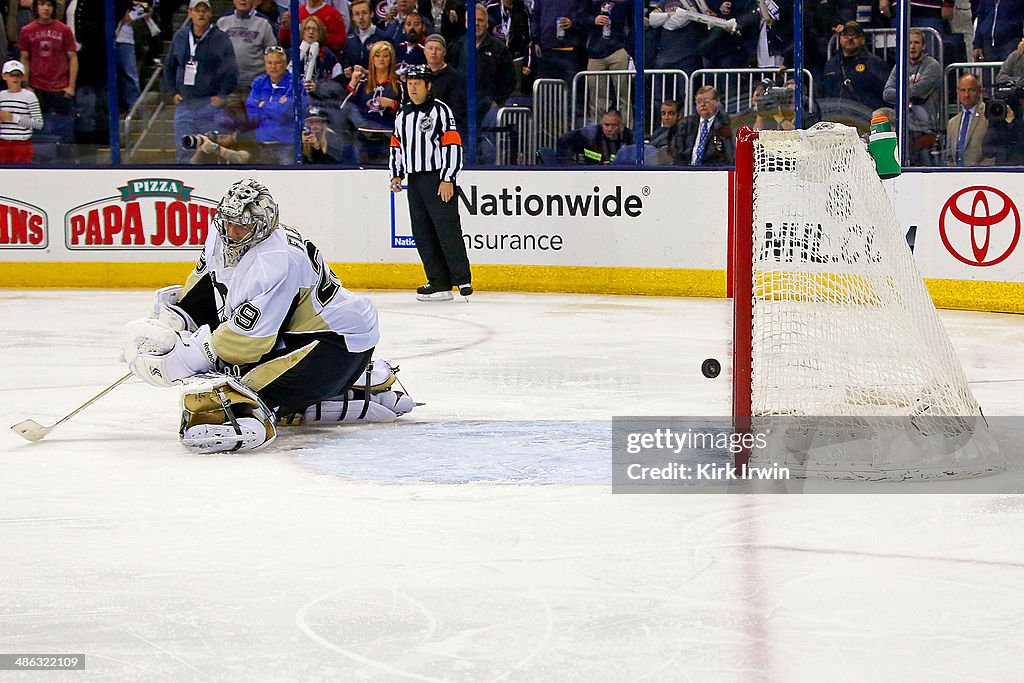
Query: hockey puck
x=711, y=368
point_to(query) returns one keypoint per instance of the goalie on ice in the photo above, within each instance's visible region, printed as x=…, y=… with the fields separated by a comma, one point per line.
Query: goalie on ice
x=262, y=332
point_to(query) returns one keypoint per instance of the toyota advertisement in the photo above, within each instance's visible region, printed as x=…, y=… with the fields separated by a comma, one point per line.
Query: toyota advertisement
x=968, y=224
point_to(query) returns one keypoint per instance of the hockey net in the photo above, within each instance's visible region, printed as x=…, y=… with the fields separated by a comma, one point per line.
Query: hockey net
x=835, y=329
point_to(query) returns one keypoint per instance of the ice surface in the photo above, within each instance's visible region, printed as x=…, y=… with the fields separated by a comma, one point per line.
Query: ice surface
x=477, y=539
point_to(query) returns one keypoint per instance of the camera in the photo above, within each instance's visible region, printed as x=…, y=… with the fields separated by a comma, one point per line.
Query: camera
x=1003, y=97
x=776, y=97
x=193, y=141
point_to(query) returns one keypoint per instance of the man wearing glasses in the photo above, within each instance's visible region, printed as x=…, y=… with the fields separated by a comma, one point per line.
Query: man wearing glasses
x=271, y=107
x=705, y=138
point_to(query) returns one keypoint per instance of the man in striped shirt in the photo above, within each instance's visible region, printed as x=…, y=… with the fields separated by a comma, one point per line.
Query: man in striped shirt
x=427, y=149
x=19, y=116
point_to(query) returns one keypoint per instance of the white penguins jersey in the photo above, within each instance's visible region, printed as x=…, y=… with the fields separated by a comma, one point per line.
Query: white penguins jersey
x=280, y=285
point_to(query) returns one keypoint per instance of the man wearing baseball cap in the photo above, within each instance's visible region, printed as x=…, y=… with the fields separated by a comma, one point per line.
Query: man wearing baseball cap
x=854, y=78
x=200, y=69
x=19, y=116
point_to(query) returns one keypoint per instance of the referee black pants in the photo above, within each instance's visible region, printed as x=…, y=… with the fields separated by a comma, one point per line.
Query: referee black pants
x=438, y=232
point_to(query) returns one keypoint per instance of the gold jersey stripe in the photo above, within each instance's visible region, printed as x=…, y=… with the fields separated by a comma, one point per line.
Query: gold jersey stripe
x=235, y=348
x=305, y=318
x=265, y=373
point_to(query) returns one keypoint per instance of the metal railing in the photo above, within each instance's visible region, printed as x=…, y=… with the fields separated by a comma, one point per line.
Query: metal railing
x=736, y=86
x=595, y=92
x=881, y=41
x=137, y=121
x=552, y=114
x=985, y=71
x=516, y=138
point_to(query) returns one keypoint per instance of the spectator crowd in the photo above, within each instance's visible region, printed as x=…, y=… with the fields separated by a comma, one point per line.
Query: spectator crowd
x=236, y=95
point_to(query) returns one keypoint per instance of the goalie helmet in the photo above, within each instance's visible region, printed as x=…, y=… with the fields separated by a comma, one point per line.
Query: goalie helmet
x=248, y=203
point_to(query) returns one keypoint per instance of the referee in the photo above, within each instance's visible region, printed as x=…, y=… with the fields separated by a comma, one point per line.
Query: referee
x=427, y=148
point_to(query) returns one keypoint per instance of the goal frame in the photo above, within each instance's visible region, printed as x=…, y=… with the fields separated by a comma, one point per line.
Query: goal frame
x=931, y=419
x=741, y=278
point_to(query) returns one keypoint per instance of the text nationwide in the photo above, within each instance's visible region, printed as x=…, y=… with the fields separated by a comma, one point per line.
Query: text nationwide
x=512, y=202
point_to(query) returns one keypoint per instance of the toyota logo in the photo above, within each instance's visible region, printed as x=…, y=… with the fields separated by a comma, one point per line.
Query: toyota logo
x=982, y=219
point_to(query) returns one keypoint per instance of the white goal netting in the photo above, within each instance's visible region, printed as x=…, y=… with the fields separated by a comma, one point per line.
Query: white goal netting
x=842, y=323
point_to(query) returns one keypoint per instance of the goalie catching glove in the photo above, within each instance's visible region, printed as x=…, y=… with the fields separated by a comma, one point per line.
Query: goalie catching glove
x=162, y=356
x=167, y=311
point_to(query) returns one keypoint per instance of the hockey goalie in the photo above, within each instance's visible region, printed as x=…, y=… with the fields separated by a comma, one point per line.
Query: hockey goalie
x=262, y=333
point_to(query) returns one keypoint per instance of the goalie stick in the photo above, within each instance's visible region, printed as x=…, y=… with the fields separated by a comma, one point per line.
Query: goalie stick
x=30, y=430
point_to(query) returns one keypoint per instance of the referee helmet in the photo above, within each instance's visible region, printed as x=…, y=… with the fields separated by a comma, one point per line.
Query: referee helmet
x=420, y=71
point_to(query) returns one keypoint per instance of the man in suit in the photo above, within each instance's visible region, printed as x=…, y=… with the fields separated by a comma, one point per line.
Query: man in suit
x=966, y=131
x=705, y=138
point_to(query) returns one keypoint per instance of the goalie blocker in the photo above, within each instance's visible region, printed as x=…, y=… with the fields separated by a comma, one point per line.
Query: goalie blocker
x=262, y=329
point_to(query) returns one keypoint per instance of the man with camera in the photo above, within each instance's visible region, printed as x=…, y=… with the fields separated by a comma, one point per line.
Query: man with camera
x=1004, y=140
x=1012, y=70
x=924, y=92
x=774, y=106
x=201, y=71
x=214, y=147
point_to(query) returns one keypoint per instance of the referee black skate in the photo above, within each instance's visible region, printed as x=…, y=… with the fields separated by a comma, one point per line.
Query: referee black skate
x=427, y=150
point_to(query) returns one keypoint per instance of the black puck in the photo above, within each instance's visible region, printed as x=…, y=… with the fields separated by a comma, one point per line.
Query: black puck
x=711, y=368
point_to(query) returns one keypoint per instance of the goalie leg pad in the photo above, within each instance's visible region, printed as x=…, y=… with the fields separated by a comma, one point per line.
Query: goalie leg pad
x=220, y=414
x=397, y=402
x=347, y=411
x=381, y=407
x=378, y=376
x=381, y=383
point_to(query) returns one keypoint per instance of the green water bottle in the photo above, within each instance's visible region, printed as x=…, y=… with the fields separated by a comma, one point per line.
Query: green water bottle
x=883, y=148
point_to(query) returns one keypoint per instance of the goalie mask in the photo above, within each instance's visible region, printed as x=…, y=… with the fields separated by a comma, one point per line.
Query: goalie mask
x=247, y=203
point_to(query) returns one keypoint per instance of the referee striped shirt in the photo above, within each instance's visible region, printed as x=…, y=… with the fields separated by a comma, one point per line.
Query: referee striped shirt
x=425, y=139
x=27, y=115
